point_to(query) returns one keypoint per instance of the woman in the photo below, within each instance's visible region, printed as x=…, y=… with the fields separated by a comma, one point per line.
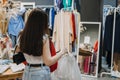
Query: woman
x=34, y=43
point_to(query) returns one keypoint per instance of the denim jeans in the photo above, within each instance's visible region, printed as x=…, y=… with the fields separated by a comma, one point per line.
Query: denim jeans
x=14, y=39
x=36, y=73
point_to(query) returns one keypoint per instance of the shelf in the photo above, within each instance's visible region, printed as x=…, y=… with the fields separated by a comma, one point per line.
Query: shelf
x=85, y=52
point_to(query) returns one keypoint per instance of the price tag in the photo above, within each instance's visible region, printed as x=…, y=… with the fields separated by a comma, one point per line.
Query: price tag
x=87, y=40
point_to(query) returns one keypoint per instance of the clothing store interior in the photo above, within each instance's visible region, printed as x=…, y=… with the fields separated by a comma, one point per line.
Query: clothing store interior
x=83, y=27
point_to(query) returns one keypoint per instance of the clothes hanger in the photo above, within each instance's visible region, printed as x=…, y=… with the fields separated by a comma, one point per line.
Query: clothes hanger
x=118, y=9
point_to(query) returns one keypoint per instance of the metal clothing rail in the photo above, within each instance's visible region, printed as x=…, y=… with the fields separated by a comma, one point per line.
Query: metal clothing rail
x=44, y=6
x=113, y=38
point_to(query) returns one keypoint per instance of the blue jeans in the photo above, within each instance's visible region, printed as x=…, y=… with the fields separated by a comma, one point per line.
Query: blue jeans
x=36, y=73
x=14, y=39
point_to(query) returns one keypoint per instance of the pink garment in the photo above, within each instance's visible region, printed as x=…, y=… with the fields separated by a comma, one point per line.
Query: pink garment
x=62, y=33
x=86, y=65
x=56, y=33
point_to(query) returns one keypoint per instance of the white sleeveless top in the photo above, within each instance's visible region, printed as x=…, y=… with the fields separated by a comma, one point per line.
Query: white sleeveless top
x=35, y=59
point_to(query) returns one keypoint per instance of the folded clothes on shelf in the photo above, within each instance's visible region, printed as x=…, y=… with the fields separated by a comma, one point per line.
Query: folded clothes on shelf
x=85, y=52
x=3, y=68
x=5, y=62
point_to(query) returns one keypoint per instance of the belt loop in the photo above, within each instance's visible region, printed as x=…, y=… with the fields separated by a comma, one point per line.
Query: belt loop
x=41, y=64
x=28, y=66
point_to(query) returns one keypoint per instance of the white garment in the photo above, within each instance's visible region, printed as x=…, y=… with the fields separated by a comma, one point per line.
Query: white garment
x=62, y=33
x=33, y=59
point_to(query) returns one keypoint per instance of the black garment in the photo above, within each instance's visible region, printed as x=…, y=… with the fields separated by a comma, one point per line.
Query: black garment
x=60, y=4
x=117, y=34
x=47, y=10
x=108, y=33
x=108, y=58
x=108, y=38
x=77, y=5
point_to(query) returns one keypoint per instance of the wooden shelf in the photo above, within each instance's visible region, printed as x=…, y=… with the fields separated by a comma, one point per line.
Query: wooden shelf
x=85, y=52
x=9, y=75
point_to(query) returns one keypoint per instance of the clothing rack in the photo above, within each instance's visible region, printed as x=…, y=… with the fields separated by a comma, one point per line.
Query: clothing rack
x=44, y=6
x=68, y=9
x=113, y=38
x=28, y=5
x=62, y=29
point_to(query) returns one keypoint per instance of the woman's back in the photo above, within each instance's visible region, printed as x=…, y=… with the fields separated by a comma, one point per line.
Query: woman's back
x=35, y=59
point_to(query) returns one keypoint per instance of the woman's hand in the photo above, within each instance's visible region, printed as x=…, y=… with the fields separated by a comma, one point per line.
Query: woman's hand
x=64, y=51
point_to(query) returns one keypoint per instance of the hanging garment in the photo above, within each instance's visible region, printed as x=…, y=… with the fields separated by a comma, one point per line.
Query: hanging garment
x=4, y=26
x=63, y=33
x=96, y=46
x=86, y=65
x=56, y=33
x=47, y=10
x=117, y=34
x=3, y=22
x=67, y=3
x=14, y=40
x=77, y=21
x=52, y=14
x=74, y=32
x=15, y=25
x=77, y=5
x=106, y=10
x=73, y=26
x=92, y=69
x=59, y=4
x=108, y=33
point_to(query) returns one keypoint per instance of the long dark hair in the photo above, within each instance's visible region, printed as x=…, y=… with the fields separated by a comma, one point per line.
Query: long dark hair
x=31, y=40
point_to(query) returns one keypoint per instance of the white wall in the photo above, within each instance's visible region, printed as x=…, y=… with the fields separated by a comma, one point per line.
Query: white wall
x=92, y=31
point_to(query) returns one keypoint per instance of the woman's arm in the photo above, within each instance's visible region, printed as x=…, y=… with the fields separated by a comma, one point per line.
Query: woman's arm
x=48, y=60
x=17, y=49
